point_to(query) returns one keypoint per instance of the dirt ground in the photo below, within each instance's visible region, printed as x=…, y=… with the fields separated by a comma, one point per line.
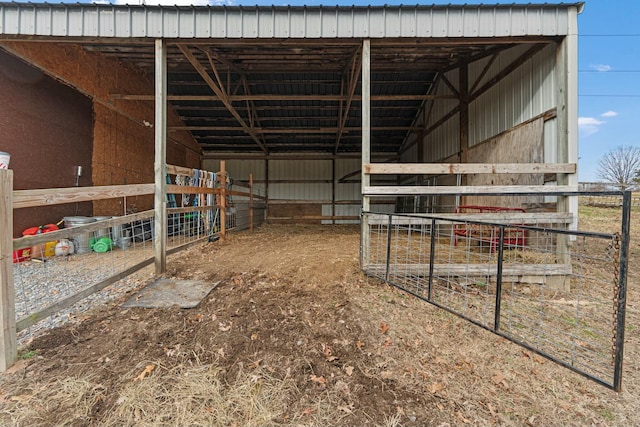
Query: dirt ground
x=295, y=334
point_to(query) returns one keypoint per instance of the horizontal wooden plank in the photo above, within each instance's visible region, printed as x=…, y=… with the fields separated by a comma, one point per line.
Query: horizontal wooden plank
x=313, y=217
x=69, y=301
x=466, y=168
x=473, y=269
x=179, y=170
x=67, y=233
x=475, y=190
x=57, y=196
x=523, y=218
x=186, y=189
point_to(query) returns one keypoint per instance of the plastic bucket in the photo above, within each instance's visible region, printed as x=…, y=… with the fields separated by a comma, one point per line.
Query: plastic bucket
x=4, y=160
x=103, y=232
x=82, y=239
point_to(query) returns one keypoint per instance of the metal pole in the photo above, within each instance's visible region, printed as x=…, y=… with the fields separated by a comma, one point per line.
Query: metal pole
x=160, y=168
x=432, y=255
x=622, y=290
x=496, y=323
x=386, y=276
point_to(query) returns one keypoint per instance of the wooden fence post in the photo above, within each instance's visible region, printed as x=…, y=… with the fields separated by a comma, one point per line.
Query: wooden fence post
x=223, y=200
x=251, y=201
x=9, y=350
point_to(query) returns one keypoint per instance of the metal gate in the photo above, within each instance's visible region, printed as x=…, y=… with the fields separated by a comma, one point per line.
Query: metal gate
x=558, y=292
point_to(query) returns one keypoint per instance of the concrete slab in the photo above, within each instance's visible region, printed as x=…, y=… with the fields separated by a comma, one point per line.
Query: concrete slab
x=164, y=293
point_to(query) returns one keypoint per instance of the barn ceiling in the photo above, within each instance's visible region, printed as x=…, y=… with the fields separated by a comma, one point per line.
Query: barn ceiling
x=282, y=96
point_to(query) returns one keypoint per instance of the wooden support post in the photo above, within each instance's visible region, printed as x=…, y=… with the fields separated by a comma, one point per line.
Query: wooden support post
x=251, y=201
x=160, y=166
x=366, y=147
x=223, y=200
x=266, y=187
x=8, y=352
x=567, y=126
x=463, y=89
x=333, y=189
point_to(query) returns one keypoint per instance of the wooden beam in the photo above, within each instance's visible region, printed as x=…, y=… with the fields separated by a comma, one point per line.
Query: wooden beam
x=251, y=201
x=314, y=218
x=299, y=130
x=515, y=218
x=223, y=200
x=466, y=168
x=57, y=196
x=484, y=72
x=464, y=269
x=356, y=67
x=179, y=170
x=8, y=340
x=477, y=190
x=159, y=165
x=515, y=64
x=278, y=97
x=70, y=300
x=220, y=94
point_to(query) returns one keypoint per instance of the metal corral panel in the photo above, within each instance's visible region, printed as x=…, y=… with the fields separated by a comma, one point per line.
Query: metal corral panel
x=527, y=92
x=140, y=21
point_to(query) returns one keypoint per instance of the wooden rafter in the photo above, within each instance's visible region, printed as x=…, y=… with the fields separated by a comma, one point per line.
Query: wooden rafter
x=515, y=64
x=220, y=93
x=280, y=97
x=356, y=65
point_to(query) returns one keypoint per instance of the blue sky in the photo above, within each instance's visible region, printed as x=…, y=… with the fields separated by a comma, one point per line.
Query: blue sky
x=609, y=70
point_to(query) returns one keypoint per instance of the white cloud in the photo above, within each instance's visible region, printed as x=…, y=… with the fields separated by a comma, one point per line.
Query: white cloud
x=609, y=113
x=601, y=67
x=589, y=125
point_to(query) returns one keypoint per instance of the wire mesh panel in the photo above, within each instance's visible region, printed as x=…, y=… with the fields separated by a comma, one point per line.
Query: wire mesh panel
x=558, y=292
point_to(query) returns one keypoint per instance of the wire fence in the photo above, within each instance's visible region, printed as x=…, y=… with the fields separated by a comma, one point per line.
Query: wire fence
x=556, y=291
x=58, y=275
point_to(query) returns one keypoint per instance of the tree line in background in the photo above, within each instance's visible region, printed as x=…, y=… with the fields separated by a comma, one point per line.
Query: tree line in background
x=621, y=167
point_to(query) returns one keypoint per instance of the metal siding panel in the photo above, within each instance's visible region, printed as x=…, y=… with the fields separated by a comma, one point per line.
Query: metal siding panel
x=471, y=23
x=525, y=93
x=347, y=166
x=487, y=24
x=361, y=22
x=286, y=22
x=345, y=25
x=186, y=27
x=439, y=22
x=349, y=191
x=281, y=25
x=455, y=23
x=424, y=24
x=43, y=22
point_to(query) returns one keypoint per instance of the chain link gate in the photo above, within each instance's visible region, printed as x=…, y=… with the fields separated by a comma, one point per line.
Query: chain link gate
x=560, y=293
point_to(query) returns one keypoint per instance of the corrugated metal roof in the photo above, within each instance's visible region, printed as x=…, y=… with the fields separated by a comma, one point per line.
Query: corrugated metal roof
x=303, y=22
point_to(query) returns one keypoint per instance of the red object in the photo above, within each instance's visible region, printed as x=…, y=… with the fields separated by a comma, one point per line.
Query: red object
x=512, y=236
x=22, y=255
x=39, y=230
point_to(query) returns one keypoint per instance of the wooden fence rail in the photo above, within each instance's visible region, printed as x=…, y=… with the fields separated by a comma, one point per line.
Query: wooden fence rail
x=16, y=199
